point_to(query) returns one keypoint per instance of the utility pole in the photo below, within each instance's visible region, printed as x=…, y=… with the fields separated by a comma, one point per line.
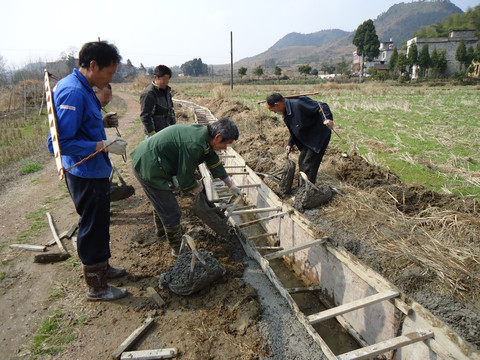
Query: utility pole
x=231, y=60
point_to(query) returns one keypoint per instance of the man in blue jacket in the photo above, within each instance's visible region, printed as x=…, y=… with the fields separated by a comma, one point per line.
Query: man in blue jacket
x=80, y=134
x=309, y=123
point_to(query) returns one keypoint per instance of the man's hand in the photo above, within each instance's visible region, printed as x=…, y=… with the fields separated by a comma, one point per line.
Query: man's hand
x=197, y=189
x=115, y=145
x=328, y=123
x=110, y=120
x=235, y=191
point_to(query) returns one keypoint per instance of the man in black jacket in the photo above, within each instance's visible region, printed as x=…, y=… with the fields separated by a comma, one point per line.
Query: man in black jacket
x=310, y=124
x=156, y=102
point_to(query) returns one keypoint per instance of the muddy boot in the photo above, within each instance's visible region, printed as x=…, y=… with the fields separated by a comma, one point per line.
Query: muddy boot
x=115, y=272
x=174, y=238
x=159, y=229
x=97, y=287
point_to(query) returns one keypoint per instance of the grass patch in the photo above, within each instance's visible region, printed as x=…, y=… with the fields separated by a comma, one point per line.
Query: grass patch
x=31, y=167
x=55, y=331
x=2, y=276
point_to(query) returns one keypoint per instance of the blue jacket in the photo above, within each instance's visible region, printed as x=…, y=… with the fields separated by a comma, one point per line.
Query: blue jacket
x=80, y=127
x=304, y=120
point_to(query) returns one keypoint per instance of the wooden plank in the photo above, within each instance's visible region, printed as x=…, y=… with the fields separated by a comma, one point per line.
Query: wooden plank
x=168, y=353
x=158, y=299
x=296, y=248
x=71, y=231
x=269, y=248
x=254, y=237
x=51, y=222
x=39, y=248
x=62, y=235
x=354, y=305
x=385, y=346
x=50, y=257
x=245, y=186
x=282, y=214
x=129, y=341
x=303, y=289
x=255, y=211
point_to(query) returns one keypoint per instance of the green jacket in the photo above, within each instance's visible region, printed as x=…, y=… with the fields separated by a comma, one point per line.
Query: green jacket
x=176, y=151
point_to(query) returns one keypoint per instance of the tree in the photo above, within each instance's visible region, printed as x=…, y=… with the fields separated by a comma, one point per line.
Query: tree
x=277, y=71
x=366, y=41
x=393, y=59
x=470, y=56
x=242, y=71
x=194, y=67
x=314, y=72
x=305, y=70
x=424, y=60
x=3, y=73
x=258, y=71
x=439, y=62
x=327, y=68
x=461, y=54
x=342, y=68
x=402, y=63
x=412, y=56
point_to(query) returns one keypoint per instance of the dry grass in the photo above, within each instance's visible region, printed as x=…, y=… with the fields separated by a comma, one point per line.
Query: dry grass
x=428, y=241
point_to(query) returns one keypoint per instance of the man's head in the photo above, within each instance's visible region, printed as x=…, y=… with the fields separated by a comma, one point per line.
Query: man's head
x=104, y=95
x=161, y=76
x=276, y=103
x=98, y=61
x=222, y=133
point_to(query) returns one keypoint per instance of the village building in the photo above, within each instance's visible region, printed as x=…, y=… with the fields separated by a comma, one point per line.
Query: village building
x=449, y=44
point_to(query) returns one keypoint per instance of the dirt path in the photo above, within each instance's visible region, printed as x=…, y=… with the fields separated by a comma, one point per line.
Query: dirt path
x=227, y=320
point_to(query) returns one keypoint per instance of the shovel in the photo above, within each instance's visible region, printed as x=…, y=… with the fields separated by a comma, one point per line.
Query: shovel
x=284, y=177
x=119, y=192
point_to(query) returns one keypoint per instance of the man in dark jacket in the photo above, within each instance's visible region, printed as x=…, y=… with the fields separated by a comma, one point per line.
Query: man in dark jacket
x=310, y=124
x=156, y=102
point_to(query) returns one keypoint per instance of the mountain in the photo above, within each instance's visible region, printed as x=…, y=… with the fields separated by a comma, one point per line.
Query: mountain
x=398, y=23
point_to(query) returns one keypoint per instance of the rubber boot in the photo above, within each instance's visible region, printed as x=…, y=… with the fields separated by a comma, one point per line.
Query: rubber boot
x=97, y=287
x=159, y=230
x=174, y=238
x=115, y=272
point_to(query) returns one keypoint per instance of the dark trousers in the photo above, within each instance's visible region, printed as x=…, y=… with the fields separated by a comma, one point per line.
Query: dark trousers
x=164, y=203
x=92, y=202
x=309, y=161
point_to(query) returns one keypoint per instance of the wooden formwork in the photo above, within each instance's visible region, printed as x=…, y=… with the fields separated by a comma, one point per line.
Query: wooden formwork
x=374, y=311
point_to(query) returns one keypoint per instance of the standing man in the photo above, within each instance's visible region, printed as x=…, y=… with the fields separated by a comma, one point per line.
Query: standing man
x=80, y=134
x=156, y=103
x=177, y=151
x=310, y=124
x=110, y=119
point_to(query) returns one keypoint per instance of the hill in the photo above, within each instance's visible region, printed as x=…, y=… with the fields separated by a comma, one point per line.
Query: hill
x=398, y=23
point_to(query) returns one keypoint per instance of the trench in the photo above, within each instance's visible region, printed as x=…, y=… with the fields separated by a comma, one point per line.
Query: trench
x=309, y=302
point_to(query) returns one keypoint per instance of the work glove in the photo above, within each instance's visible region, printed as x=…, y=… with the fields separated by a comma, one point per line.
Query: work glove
x=110, y=120
x=116, y=145
x=197, y=189
x=235, y=191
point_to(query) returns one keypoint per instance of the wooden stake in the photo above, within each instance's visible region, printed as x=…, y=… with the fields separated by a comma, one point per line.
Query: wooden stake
x=158, y=299
x=39, y=248
x=150, y=354
x=54, y=232
x=132, y=338
x=50, y=258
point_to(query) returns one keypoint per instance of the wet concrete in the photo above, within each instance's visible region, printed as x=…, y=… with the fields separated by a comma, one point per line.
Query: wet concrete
x=180, y=278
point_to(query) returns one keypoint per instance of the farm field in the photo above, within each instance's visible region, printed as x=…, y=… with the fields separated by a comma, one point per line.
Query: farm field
x=407, y=163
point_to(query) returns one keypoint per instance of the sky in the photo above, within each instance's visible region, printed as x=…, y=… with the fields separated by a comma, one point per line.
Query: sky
x=153, y=32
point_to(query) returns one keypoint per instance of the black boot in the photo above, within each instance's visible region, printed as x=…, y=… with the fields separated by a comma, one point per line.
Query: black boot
x=159, y=230
x=97, y=287
x=115, y=272
x=174, y=238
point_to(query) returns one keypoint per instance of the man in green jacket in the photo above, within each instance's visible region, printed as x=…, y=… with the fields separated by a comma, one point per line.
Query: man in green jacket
x=177, y=151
